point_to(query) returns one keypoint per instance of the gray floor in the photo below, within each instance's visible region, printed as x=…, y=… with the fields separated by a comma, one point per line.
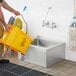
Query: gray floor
x=63, y=68
x=11, y=69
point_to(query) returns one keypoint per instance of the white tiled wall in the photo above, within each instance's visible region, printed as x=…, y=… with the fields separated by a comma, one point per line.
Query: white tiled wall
x=61, y=13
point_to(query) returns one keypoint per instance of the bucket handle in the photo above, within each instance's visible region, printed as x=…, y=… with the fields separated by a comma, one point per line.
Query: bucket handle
x=24, y=22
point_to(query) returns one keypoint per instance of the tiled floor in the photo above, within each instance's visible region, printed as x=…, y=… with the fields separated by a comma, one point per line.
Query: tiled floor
x=11, y=69
x=63, y=68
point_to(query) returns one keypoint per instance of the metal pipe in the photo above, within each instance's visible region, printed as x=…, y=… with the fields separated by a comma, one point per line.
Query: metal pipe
x=47, y=13
x=25, y=23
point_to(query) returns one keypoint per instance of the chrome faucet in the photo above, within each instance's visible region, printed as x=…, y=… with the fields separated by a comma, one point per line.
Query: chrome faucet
x=47, y=23
x=53, y=25
x=38, y=40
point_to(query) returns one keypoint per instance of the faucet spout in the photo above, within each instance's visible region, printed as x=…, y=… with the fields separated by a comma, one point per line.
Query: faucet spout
x=38, y=40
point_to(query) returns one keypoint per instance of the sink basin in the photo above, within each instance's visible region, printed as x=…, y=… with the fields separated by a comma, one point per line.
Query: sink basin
x=44, y=52
x=43, y=43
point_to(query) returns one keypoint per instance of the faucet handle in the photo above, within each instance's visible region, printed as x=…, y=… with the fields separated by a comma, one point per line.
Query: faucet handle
x=43, y=24
x=54, y=25
x=46, y=23
x=38, y=36
x=50, y=7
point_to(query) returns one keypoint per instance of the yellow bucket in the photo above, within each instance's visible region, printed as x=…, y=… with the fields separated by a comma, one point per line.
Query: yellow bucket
x=16, y=39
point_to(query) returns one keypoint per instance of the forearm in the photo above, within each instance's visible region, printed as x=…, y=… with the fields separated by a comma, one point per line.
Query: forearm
x=2, y=18
x=6, y=6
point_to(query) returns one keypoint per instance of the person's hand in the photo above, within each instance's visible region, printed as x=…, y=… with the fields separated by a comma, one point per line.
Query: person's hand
x=7, y=28
x=16, y=13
